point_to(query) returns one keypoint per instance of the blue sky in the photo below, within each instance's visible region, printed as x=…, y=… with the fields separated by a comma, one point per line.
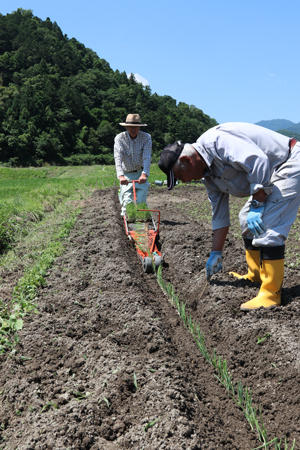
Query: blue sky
x=236, y=60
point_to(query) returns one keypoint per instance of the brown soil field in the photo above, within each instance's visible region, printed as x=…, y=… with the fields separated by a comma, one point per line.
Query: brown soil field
x=107, y=362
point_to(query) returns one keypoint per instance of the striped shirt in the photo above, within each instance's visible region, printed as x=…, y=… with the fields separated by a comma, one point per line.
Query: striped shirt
x=132, y=155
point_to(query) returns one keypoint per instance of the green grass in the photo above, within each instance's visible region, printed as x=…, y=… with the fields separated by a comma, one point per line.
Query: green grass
x=26, y=195
x=25, y=291
x=38, y=208
x=32, y=196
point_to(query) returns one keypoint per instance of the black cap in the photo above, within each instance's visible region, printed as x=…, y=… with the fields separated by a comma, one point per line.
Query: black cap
x=168, y=158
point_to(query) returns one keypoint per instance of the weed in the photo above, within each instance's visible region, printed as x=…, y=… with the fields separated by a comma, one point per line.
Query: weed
x=80, y=395
x=25, y=358
x=48, y=406
x=261, y=340
x=106, y=401
x=150, y=424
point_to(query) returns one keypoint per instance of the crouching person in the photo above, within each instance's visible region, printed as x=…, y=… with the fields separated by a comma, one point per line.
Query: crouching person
x=244, y=159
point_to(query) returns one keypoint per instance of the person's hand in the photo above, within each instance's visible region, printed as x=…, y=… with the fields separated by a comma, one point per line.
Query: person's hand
x=254, y=220
x=123, y=179
x=214, y=263
x=143, y=178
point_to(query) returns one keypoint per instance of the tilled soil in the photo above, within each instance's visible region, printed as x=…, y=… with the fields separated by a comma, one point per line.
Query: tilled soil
x=107, y=363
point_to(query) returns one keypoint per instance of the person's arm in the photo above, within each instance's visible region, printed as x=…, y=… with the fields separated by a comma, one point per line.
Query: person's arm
x=214, y=262
x=219, y=204
x=118, y=156
x=143, y=178
x=118, y=160
x=147, y=152
x=218, y=238
x=220, y=223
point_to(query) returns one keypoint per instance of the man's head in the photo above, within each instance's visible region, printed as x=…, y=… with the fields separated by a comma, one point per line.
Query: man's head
x=132, y=124
x=181, y=161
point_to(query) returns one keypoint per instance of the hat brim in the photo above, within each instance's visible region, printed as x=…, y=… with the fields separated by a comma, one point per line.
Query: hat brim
x=124, y=124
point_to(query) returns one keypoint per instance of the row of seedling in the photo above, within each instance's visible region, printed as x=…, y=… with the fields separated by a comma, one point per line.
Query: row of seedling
x=136, y=213
x=24, y=293
x=241, y=395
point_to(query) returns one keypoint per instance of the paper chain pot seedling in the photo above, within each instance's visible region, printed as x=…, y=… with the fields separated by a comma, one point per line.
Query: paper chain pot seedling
x=142, y=227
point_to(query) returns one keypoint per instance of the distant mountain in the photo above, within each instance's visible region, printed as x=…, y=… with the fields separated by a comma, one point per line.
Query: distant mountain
x=282, y=126
x=294, y=128
x=290, y=133
x=277, y=124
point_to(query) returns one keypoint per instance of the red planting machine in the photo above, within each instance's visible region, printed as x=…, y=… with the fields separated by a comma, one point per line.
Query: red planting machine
x=144, y=235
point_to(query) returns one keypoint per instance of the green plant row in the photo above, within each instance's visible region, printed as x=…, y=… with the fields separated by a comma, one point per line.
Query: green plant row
x=241, y=395
x=134, y=213
x=24, y=293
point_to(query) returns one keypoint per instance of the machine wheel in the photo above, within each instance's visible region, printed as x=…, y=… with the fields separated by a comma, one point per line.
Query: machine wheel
x=157, y=261
x=147, y=265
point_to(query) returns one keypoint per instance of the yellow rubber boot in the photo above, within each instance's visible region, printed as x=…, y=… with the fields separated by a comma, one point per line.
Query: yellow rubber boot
x=253, y=261
x=271, y=274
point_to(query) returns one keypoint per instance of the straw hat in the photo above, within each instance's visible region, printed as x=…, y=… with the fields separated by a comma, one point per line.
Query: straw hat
x=133, y=120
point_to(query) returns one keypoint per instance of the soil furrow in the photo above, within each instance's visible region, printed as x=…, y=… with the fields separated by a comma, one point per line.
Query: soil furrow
x=106, y=362
x=271, y=368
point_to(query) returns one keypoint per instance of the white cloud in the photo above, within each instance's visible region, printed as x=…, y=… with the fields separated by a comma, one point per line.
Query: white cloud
x=139, y=78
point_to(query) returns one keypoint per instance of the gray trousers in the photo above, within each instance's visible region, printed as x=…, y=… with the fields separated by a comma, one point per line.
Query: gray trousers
x=281, y=206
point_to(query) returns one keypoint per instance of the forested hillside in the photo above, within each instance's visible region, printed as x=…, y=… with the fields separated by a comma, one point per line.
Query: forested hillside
x=276, y=124
x=282, y=126
x=290, y=133
x=61, y=103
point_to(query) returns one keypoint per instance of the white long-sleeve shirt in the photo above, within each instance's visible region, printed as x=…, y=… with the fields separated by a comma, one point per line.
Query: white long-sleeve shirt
x=132, y=154
x=241, y=158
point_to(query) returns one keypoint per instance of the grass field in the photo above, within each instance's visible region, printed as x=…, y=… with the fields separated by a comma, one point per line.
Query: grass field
x=27, y=195
x=38, y=208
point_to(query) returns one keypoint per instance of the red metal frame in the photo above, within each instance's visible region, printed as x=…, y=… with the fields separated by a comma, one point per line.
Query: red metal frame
x=149, y=236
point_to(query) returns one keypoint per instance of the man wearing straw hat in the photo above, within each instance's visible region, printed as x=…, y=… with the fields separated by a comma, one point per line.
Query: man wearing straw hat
x=132, y=153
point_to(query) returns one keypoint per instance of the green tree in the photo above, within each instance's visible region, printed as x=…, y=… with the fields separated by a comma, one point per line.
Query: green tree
x=60, y=103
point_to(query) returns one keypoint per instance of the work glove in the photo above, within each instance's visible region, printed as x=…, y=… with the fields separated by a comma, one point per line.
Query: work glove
x=214, y=263
x=254, y=220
